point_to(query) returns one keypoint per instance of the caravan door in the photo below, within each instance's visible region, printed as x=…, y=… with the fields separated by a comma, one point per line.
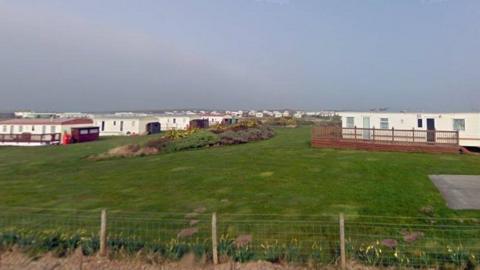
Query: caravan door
x=430, y=130
x=366, y=126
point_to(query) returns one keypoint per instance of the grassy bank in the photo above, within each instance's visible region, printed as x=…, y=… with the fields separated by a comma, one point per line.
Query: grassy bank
x=278, y=176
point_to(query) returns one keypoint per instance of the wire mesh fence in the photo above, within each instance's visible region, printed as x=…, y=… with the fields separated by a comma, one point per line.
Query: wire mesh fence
x=370, y=240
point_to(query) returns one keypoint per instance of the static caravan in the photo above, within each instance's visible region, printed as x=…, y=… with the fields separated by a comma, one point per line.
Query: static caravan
x=466, y=124
x=175, y=121
x=34, y=132
x=123, y=125
x=215, y=119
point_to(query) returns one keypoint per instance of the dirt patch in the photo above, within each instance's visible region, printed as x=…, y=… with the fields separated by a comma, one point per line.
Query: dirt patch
x=15, y=260
x=187, y=232
x=200, y=210
x=243, y=240
x=266, y=174
x=130, y=150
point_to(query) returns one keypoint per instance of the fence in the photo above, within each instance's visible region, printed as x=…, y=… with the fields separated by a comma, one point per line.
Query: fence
x=387, y=136
x=304, y=240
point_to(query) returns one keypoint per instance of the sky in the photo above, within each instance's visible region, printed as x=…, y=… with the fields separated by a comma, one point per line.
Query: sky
x=90, y=55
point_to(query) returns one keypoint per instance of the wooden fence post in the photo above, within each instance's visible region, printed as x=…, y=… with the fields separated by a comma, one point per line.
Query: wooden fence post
x=214, y=238
x=355, y=130
x=393, y=134
x=413, y=134
x=373, y=134
x=343, y=260
x=103, y=233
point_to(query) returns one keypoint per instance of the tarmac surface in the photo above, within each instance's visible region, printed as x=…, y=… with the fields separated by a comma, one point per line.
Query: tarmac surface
x=461, y=192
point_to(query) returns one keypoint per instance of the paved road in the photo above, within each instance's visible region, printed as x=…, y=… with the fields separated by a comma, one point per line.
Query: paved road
x=460, y=191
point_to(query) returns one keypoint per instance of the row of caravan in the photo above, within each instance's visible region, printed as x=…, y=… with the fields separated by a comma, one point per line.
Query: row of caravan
x=118, y=125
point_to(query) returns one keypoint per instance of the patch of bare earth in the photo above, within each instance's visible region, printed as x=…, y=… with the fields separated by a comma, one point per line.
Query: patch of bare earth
x=15, y=260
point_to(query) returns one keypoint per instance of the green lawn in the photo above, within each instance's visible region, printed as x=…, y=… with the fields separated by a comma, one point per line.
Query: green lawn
x=283, y=175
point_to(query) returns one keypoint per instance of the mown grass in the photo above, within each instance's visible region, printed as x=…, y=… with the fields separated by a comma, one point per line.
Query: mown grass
x=283, y=175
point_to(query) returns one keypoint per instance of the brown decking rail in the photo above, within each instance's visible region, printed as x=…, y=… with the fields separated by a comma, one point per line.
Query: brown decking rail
x=53, y=138
x=386, y=136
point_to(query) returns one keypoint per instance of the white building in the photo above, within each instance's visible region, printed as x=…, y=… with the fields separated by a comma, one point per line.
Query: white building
x=39, y=131
x=30, y=114
x=298, y=115
x=120, y=125
x=214, y=119
x=277, y=114
x=172, y=121
x=467, y=124
x=267, y=113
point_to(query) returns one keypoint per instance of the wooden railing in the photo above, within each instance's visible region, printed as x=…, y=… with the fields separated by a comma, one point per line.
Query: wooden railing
x=53, y=138
x=387, y=136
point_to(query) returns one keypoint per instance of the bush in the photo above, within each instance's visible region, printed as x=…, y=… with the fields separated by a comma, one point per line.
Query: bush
x=245, y=136
x=197, y=140
x=282, y=122
x=244, y=124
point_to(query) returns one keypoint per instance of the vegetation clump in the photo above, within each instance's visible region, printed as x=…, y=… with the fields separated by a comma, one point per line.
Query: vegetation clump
x=180, y=140
x=282, y=122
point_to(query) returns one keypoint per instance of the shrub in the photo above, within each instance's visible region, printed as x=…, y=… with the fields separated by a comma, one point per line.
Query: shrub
x=245, y=136
x=197, y=140
x=175, y=134
x=282, y=122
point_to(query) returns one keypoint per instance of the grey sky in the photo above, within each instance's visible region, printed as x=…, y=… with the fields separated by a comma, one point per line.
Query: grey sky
x=124, y=55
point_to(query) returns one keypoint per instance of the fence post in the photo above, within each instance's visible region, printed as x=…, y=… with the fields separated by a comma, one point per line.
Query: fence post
x=342, y=241
x=373, y=134
x=214, y=238
x=355, y=130
x=103, y=233
x=413, y=134
x=393, y=134
x=458, y=137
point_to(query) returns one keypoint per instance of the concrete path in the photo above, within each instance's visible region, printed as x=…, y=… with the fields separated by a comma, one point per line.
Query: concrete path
x=460, y=191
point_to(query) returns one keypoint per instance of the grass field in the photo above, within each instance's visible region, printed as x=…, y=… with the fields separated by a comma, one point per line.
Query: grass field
x=283, y=175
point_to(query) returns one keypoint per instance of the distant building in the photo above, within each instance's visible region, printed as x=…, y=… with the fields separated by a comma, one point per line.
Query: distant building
x=277, y=114
x=29, y=114
x=298, y=115
x=259, y=115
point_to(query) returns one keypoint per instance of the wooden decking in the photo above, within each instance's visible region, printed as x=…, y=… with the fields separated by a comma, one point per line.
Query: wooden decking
x=432, y=141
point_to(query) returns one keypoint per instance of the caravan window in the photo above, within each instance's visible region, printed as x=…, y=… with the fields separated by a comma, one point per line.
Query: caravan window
x=350, y=122
x=420, y=123
x=459, y=124
x=384, y=123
